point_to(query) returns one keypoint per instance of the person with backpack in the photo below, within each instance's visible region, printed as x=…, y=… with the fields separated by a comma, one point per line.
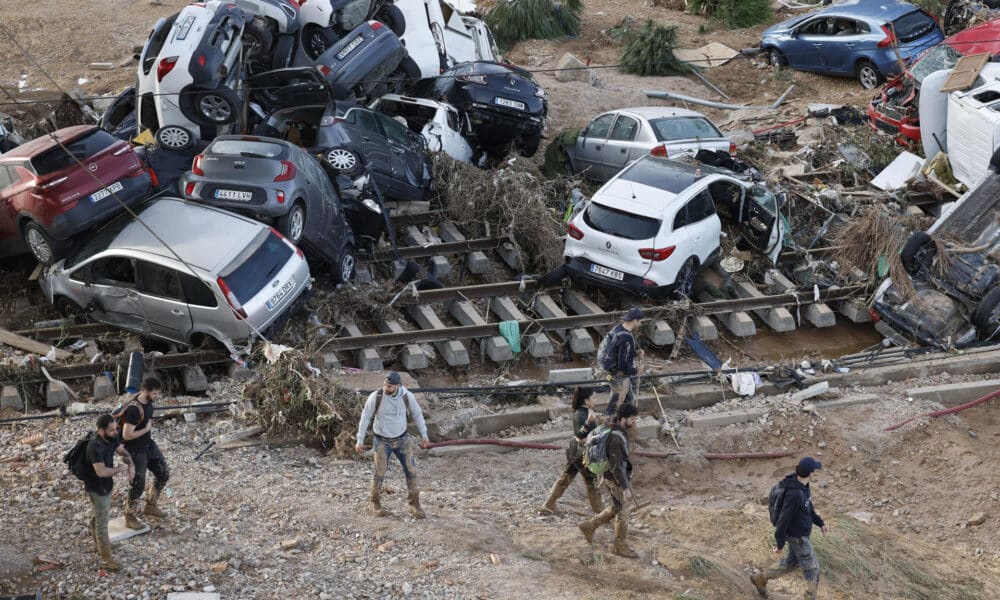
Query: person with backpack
x=618, y=480
x=99, y=471
x=137, y=428
x=616, y=357
x=793, y=516
x=388, y=410
x=584, y=421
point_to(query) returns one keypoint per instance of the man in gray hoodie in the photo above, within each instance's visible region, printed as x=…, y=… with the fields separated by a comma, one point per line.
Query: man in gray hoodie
x=390, y=408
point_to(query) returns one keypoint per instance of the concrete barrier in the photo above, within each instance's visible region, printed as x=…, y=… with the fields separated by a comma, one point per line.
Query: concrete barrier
x=952, y=394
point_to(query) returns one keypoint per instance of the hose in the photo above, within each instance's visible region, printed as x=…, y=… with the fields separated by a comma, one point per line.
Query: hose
x=947, y=411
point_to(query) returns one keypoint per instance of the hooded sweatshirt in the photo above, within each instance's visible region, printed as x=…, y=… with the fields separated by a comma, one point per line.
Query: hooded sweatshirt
x=797, y=514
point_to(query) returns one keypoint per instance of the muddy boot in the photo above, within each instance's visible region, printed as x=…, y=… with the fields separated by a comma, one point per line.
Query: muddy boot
x=594, y=496
x=151, y=508
x=589, y=527
x=811, y=588
x=415, y=511
x=558, y=489
x=107, y=560
x=621, y=547
x=131, y=511
x=759, y=581
x=375, y=503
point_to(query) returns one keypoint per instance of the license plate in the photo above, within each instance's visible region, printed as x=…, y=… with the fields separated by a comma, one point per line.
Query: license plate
x=233, y=195
x=350, y=47
x=185, y=27
x=280, y=294
x=102, y=194
x=509, y=103
x=607, y=272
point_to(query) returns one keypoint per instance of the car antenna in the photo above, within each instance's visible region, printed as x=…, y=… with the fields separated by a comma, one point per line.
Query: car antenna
x=632, y=187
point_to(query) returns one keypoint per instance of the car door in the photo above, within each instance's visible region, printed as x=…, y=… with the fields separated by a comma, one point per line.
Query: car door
x=163, y=301
x=587, y=151
x=375, y=147
x=804, y=49
x=319, y=226
x=405, y=158
x=111, y=282
x=840, y=49
x=760, y=225
x=702, y=227
x=620, y=147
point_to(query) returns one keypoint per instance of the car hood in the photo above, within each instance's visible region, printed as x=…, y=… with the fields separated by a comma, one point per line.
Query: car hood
x=785, y=26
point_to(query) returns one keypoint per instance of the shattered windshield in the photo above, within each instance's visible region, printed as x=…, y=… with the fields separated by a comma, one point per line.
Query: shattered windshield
x=940, y=57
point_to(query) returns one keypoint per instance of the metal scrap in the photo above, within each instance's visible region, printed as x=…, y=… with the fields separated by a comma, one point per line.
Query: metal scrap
x=713, y=104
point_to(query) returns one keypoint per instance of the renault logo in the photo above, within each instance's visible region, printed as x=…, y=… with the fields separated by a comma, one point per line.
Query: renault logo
x=92, y=167
x=607, y=245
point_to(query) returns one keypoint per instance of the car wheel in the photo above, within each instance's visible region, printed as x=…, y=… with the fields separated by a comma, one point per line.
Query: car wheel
x=529, y=145
x=257, y=39
x=684, y=284
x=216, y=107
x=293, y=223
x=345, y=271
x=42, y=245
x=67, y=309
x=344, y=161
x=173, y=137
x=918, y=251
x=868, y=75
x=317, y=40
x=986, y=317
x=393, y=17
x=775, y=58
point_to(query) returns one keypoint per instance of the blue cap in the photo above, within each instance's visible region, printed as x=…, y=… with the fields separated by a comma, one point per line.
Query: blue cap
x=634, y=314
x=393, y=378
x=807, y=465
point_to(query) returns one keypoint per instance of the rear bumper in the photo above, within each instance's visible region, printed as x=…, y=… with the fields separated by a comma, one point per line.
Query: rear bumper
x=494, y=122
x=275, y=326
x=264, y=201
x=86, y=214
x=579, y=272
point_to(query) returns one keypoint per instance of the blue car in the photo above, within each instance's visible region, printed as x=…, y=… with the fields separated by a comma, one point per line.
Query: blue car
x=858, y=39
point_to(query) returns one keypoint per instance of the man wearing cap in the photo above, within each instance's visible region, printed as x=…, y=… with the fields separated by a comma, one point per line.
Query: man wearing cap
x=390, y=407
x=796, y=517
x=618, y=358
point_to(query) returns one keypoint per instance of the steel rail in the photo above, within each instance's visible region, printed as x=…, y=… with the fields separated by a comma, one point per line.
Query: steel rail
x=468, y=292
x=433, y=249
x=81, y=371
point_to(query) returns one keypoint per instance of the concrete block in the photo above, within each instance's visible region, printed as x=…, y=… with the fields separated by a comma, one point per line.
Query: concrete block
x=820, y=315
x=453, y=351
x=571, y=375
x=855, y=310
x=10, y=398
x=476, y=262
x=580, y=304
x=509, y=254
x=239, y=372
x=739, y=324
x=486, y=425
x=778, y=319
x=440, y=266
x=952, y=394
x=853, y=401
x=578, y=339
x=816, y=389
x=410, y=207
x=721, y=419
x=329, y=361
x=56, y=394
x=537, y=344
x=118, y=532
x=194, y=380
x=658, y=333
x=366, y=359
x=497, y=348
x=105, y=388
x=363, y=275
x=704, y=327
x=415, y=237
x=413, y=356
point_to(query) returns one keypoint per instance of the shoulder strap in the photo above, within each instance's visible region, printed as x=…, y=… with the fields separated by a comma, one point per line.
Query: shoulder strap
x=378, y=402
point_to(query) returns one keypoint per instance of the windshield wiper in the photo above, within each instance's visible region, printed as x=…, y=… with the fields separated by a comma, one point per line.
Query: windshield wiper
x=252, y=155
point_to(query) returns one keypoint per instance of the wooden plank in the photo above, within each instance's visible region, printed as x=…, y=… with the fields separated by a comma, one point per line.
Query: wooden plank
x=28, y=345
x=965, y=72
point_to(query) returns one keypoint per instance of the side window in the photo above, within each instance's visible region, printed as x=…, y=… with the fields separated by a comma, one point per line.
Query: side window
x=7, y=176
x=366, y=121
x=453, y=120
x=196, y=292
x=158, y=281
x=700, y=207
x=598, y=128
x=624, y=130
x=114, y=270
x=682, y=217
x=817, y=27
x=845, y=27
x=394, y=130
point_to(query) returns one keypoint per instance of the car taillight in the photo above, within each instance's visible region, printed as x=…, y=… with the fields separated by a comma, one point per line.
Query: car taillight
x=732, y=148
x=281, y=237
x=165, y=66
x=376, y=25
x=153, y=179
x=196, y=165
x=189, y=189
x=231, y=299
x=648, y=283
x=874, y=315
x=287, y=171
x=328, y=120
x=480, y=79
x=656, y=254
x=660, y=150
x=890, y=38
x=281, y=197
x=574, y=231
x=325, y=70
x=201, y=60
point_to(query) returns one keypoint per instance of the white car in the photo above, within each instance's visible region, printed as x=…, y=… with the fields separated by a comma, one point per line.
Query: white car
x=438, y=123
x=437, y=36
x=615, y=138
x=653, y=227
x=188, y=73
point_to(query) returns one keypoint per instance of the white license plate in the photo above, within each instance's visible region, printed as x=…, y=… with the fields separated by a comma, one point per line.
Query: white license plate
x=280, y=294
x=102, y=194
x=350, y=47
x=607, y=272
x=185, y=27
x=233, y=195
x=509, y=103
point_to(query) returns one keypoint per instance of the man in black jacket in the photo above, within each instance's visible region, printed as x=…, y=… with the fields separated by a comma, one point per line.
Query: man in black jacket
x=621, y=356
x=99, y=482
x=138, y=439
x=618, y=479
x=795, y=520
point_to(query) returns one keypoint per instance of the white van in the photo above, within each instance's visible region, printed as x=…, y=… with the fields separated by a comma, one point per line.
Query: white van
x=437, y=36
x=973, y=126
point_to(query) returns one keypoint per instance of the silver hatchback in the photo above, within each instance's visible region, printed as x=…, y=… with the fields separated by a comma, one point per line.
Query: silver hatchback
x=220, y=276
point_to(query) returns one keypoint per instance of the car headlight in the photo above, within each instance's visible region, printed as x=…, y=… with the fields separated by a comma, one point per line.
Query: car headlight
x=371, y=205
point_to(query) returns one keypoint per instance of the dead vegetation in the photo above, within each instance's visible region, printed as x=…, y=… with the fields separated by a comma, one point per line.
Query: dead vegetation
x=871, y=241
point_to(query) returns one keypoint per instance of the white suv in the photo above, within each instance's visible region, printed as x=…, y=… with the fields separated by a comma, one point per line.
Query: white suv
x=653, y=227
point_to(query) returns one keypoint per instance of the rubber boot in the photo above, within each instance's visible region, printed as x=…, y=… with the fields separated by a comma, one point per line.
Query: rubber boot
x=558, y=489
x=759, y=581
x=621, y=547
x=594, y=496
x=415, y=511
x=107, y=560
x=131, y=511
x=589, y=527
x=375, y=503
x=151, y=508
x=811, y=589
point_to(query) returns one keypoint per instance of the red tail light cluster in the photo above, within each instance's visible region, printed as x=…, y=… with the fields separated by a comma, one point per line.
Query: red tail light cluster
x=376, y=25
x=574, y=231
x=732, y=148
x=189, y=189
x=890, y=37
x=196, y=165
x=165, y=66
x=153, y=179
x=660, y=150
x=656, y=254
x=287, y=171
x=231, y=299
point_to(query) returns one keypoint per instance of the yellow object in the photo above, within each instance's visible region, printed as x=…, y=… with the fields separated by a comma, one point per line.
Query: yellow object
x=144, y=139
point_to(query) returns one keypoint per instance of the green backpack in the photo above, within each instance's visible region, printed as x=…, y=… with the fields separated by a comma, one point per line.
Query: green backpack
x=595, y=453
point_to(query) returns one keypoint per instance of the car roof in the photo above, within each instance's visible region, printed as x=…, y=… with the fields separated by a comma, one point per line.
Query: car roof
x=651, y=200
x=191, y=230
x=45, y=142
x=659, y=112
x=983, y=38
x=870, y=9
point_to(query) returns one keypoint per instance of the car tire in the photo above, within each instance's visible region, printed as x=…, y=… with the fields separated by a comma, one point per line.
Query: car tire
x=257, y=40
x=344, y=161
x=868, y=74
x=986, y=317
x=215, y=107
x=174, y=137
x=918, y=251
x=529, y=144
x=68, y=309
x=346, y=267
x=119, y=110
x=411, y=72
x=686, y=276
x=393, y=18
x=775, y=58
x=292, y=224
x=316, y=40
x=43, y=246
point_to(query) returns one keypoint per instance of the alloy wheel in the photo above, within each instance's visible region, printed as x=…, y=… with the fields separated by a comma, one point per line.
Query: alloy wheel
x=346, y=267
x=39, y=245
x=215, y=108
x=174, y=138
x=296, y=224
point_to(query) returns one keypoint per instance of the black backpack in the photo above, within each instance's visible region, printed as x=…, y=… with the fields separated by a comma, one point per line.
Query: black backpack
x=76, y=458
x=607, y=352
x=774, y=501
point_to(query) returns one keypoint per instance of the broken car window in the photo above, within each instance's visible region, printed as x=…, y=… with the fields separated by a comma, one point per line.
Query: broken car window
x=683, y=128
x=624, y=130
x=598, y=128
x=940, y=58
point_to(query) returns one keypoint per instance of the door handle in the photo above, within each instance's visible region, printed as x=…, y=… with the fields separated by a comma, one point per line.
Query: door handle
x=817, y=45
x=177, y=312
x=597, y=147
x=622, y=150
x=132, y=296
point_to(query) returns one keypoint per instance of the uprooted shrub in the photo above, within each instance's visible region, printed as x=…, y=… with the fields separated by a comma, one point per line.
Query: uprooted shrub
x=733, y=14
x=513, y=21
x=650, y=51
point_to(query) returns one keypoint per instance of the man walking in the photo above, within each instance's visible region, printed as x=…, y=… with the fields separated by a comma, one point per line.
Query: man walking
x=138, y=438
x=618, y=480
x=390, y=408
x=617, y=358
x=795, y=518
x=100, y=453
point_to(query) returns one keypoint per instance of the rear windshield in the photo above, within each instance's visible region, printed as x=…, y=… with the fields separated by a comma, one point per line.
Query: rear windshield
x=620, y=223
x=669, y=177
x=939, y=58
x=79, y=149
x=257, y=270
x=246, y=148
x=913, y=25
x=683, y=128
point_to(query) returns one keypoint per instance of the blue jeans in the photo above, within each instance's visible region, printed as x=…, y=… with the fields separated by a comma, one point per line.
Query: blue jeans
x=403, y=449
x=800, y=554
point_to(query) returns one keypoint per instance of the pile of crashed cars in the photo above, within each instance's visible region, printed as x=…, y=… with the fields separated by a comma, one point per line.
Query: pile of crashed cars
x=286, y=125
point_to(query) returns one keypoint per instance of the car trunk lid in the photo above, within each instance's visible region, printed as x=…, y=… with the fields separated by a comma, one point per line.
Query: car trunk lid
x=62, y=178
x=262, y=280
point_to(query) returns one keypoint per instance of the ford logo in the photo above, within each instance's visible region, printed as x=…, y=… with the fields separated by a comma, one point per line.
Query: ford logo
x=276, y=282
x=92, y=167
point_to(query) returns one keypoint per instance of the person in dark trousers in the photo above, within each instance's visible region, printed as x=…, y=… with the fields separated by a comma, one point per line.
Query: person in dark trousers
x=137, y=433
x=624, y=351
x=618, y=480
x=795, y=521
x=388, y=410
x=101, y=450
x=584, y=421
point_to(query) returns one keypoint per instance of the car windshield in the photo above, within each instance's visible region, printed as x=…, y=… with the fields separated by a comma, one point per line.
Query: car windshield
x=253, y=274
x=764, y=198
x=657, y=173
x=245, y=148
x=103, y=237
x=79, y=149
x=683, y=128
x=913, y=25
x=620, y=223
x=940, y=58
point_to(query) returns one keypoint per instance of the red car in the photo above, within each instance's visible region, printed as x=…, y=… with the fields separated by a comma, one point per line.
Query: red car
x=895, y=109
x=62, y=184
